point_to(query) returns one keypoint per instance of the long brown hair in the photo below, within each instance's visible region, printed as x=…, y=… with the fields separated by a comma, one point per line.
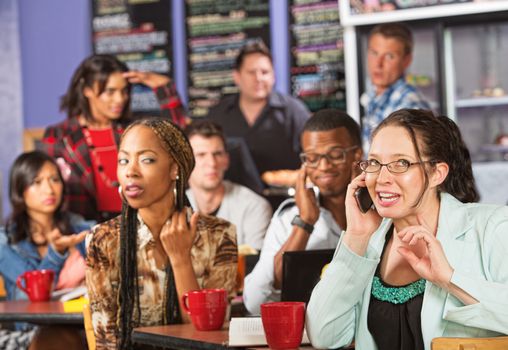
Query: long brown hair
x=23, y=172
x=94, y=69
x=441, y=141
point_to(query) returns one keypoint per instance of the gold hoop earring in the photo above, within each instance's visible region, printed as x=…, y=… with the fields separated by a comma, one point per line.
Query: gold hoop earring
x=175, y=195
x=122, y=197
x=175, y=191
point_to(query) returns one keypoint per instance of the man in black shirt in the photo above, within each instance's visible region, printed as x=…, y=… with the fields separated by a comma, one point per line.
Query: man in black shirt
x=269, y=123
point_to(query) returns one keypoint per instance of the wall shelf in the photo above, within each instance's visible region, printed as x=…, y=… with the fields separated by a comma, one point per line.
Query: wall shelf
x=347, y=18
x=481, y=102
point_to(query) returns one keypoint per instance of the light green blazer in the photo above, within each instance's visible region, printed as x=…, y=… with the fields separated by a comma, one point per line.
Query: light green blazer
x=475, y=240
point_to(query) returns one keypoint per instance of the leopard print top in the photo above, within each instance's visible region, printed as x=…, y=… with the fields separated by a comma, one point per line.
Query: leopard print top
x=214, y=259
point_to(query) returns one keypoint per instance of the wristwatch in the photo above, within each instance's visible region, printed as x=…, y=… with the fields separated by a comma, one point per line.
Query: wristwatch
x=297, y=220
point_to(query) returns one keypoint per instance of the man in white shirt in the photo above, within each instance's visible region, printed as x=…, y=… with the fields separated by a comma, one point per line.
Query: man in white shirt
x=210, y=194
x=331, y=145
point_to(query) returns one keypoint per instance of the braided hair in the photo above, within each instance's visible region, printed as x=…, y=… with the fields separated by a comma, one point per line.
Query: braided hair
x=177, y=145
x=438, y=139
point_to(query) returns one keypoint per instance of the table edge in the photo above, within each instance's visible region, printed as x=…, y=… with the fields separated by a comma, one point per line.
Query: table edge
x=163, y=340
x=50, y=318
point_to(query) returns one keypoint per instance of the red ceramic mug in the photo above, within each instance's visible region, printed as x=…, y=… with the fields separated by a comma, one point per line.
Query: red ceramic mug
x=283, y=324
x=37, y=284
x=206, y=307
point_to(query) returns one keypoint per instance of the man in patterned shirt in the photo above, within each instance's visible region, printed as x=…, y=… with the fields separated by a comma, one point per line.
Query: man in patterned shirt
x=389, y=54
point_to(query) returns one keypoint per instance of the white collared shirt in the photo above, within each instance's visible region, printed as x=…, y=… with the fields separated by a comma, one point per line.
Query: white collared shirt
x=258, y=286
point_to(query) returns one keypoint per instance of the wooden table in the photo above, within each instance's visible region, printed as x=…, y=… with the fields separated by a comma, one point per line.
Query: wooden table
x=48, y=312
x=182, y=336
x=186, y=337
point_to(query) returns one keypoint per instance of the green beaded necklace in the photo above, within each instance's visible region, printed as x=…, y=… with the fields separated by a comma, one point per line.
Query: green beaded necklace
x=396, y=295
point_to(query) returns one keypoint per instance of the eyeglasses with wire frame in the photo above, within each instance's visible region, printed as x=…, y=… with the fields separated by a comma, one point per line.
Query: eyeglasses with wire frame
x=395, y=167
x=335, y=156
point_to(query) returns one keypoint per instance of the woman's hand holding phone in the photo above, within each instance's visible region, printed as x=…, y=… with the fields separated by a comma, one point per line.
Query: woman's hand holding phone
x=360, y=225
x=363, y=199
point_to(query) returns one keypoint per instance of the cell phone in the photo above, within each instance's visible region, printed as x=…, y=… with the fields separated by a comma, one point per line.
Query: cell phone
x=188, y=214
x=363, y=199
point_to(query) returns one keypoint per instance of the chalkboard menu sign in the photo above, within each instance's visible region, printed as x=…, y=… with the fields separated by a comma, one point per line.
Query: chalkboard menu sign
x=137, y=33
x=216, y=31
x=317, y=60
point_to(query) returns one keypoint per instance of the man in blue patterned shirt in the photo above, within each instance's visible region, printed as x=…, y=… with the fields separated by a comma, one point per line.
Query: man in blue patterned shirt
x=389, y=54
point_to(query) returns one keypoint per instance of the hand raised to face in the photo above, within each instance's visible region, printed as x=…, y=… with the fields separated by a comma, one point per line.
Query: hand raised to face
x=150, y=79
x=305, y=198
x=358, y=223
x=177, y=237
x=433, y=265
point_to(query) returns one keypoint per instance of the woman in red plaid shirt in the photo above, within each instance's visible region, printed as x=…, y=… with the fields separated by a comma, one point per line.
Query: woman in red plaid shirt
x=97, y=103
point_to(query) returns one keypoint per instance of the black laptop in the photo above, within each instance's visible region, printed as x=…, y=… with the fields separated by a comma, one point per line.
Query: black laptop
x=242, y=168
x=301, y=271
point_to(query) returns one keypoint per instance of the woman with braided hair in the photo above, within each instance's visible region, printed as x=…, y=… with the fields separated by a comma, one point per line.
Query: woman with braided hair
x=426, y=261
x=140, y=263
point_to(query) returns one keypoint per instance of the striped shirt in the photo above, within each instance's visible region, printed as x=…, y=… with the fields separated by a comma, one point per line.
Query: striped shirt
x=399, y=95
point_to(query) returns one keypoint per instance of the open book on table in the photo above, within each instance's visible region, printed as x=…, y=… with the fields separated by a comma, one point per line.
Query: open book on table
x=68, y=293
x=248, y=331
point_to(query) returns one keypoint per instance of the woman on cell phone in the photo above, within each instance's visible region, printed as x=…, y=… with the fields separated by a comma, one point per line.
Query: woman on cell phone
x=427, y=261
x=140, y=263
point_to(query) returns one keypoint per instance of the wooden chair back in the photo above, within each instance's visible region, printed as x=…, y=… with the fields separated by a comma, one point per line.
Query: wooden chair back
x=90, y=336
x=494, y=343
x=3, y=292
x=32, y=138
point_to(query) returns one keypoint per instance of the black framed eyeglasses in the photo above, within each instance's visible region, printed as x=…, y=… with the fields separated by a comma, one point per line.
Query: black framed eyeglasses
x=395, y=167
x=335, y=156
